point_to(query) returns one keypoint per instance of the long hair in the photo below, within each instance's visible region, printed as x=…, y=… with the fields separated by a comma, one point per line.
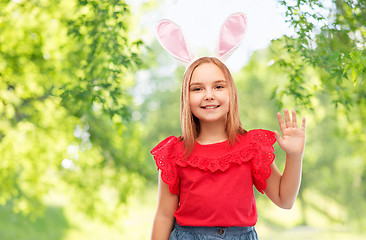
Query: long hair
x=190, y=124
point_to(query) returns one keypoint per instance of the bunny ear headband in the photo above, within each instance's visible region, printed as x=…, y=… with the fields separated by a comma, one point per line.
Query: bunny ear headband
x=231, y=35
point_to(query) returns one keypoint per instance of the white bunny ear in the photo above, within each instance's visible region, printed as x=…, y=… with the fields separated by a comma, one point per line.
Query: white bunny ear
x=231, y=35
x=171, y=38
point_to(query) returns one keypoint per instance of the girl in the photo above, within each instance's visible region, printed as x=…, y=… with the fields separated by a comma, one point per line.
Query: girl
x=206, y=176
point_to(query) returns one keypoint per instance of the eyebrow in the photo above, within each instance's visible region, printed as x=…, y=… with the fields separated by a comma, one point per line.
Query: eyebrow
x=217, y=81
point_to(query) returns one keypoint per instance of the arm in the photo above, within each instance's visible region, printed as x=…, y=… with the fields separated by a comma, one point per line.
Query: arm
x=282, y=189
x=164, y=216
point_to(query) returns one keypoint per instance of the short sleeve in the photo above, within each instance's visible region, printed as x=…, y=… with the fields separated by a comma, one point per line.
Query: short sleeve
x=165, y=155
x=262, y=142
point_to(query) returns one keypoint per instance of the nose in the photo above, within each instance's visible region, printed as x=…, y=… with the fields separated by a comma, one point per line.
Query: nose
x=209, y=95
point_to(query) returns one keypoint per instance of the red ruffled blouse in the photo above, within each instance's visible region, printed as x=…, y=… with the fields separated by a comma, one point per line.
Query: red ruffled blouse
x=215, y=183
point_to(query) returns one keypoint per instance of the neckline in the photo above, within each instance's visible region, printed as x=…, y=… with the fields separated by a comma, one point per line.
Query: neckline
x=211, y=144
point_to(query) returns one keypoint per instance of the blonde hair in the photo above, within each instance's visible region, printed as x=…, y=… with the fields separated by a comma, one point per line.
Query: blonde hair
x=190, y=124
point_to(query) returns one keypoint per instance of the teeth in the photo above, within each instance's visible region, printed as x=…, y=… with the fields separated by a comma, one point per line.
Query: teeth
x=211, y=107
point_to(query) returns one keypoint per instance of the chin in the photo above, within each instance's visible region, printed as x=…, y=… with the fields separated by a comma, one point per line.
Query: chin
x=213, y=120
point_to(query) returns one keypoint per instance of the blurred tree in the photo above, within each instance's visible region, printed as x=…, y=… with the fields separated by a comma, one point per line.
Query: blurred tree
x=157, y=102
x=329, y=38
x=65, y=68
x=332, y=39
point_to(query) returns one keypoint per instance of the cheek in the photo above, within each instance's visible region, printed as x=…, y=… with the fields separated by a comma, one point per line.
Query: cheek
x=226, y=98
x=194, y=100
x=227, y=103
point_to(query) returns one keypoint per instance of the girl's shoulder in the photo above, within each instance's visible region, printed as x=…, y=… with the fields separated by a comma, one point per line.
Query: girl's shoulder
x=260, y=136
x=262, y=142
x=255, y=138
x=171, y=140
x=166, y=153
x=171, y=145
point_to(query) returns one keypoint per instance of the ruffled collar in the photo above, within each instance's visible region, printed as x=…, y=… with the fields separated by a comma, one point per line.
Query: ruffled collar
x=218, y=156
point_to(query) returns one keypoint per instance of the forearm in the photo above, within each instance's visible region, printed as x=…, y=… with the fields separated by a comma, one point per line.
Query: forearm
x=162, y=227
x=164, y=217
x=282, y=189
x=290, y=181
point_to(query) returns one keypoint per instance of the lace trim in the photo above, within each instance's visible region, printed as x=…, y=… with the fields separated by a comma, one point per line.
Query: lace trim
x=215, y=164
x=263, y=141
x=165, y=155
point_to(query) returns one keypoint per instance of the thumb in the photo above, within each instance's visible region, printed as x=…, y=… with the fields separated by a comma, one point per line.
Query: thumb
x=278, y=137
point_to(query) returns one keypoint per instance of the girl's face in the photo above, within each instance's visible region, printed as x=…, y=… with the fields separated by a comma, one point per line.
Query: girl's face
x=209, y=93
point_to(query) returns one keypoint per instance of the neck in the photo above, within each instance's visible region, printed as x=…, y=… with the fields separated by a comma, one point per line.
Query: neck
x=212, y=132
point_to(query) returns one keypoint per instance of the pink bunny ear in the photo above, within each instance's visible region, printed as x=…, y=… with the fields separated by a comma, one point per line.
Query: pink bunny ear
x=171, y=38
x=231, y=35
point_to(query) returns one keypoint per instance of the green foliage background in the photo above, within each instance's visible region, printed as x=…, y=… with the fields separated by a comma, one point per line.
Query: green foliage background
x=65, y=67
x=83, y=100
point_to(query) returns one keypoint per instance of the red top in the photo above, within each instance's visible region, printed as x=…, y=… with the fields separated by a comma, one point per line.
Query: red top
x=215, y=183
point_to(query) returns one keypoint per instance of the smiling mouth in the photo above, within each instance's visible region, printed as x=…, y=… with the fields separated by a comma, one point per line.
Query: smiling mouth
x=210, y=107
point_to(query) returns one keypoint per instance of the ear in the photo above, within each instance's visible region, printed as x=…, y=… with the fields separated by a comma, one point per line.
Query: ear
x=231, y=35
x=172, y=40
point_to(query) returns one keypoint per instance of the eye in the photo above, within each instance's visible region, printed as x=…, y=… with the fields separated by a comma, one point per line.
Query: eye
x=220, y=87
x=196, y=89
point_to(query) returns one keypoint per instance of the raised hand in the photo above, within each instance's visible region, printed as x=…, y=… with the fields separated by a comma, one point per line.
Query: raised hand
x=293, y=137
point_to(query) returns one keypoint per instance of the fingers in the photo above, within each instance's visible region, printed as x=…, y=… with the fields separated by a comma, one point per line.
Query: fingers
x=288, y=123
x=303, y=124
x=294, y=119
x=287, y=118
x=281, y=122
